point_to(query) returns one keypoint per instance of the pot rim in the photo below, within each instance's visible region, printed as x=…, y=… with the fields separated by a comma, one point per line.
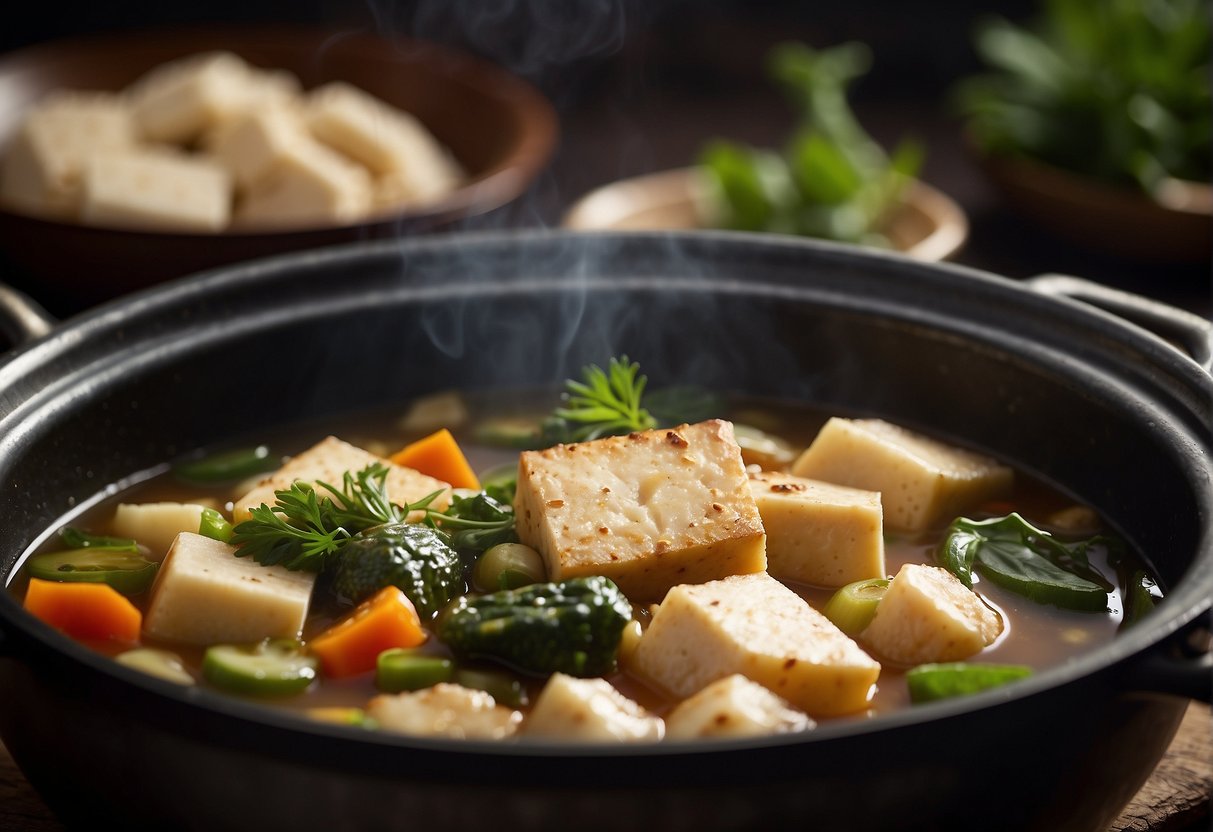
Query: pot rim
x=1188, y=600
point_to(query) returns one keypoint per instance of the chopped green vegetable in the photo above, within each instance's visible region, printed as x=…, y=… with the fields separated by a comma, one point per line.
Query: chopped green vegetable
x=303, y=531
x=571, y=627
x=832, y=180
x=276, y=667
x=606, y=403
x=129, y=572
x=853, y=606
x=227, y=466
x=402, y=669
x=411, y=556
x=505, y=688
x=1118, y=91
x=1029, y=561
x=508, y=566
x=74, y=538
x=929, y=682
x=476, y=523
x=215, y=526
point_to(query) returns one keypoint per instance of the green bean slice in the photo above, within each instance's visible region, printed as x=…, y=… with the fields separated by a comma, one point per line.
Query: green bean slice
x=929, y=682
x=215, y=526
x=276, y=667
x=227, y=466
x=128, y=572
x=402, y=669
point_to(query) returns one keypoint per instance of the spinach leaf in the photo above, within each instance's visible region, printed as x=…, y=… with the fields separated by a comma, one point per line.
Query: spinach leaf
x=1014, y=554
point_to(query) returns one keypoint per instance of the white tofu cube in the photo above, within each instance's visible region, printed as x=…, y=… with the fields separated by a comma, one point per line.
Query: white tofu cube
x=928, y=615
x=589, y=710
x=250, y=146
x=180, y=100
x=44, y=162
x=648, y=510
x=819, y=533
x=150, y=190
x=307, y=183
x=923, y=483
x=755, y=626
x=328, y=461
x=204, y=594
x=385, y=139
x=445, y=710
x=156, y=525
x=734, y=707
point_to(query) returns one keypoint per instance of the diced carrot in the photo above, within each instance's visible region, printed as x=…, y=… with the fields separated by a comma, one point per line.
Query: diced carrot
x=439, y=456
x=351, y=646
x=85, y=611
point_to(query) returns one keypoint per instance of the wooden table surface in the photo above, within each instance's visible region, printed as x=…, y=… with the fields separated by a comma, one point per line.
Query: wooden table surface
x=1175, y=799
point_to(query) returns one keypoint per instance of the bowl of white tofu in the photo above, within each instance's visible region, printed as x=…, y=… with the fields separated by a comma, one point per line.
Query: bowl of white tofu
x=128, y=159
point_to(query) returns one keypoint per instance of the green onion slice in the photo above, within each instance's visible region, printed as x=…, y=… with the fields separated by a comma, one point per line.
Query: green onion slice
x=402, y=669
x=215, y=526
x=852, y=607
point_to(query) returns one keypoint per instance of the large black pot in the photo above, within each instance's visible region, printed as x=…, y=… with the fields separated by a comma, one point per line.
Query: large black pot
x=1112, y=414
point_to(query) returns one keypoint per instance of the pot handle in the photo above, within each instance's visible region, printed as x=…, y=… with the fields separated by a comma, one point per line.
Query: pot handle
x=21, y=318
x=1181, y=665
x=1187, y=331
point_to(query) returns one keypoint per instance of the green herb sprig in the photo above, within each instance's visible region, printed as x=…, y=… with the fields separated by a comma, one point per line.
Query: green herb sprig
x=606, y=403
x=304, y=530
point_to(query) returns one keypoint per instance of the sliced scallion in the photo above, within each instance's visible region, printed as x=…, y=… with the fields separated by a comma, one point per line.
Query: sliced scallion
x=402, y=669
x=852, y=607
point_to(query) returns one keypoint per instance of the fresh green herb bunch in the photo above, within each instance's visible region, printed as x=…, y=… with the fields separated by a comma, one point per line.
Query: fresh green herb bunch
x=1114, y=89
x=606, y=403
x=832, y=180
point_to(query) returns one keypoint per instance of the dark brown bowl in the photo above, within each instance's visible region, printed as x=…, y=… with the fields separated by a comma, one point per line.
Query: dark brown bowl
x=500, y=128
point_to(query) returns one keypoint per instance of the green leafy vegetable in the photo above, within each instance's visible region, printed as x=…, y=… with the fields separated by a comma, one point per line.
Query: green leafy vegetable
x=929, y=682
x=476, y=523
x=831, y=180
x=1015, y=554
x=571, y=627
x=411, y=556
x=1114, y=89
x=605, y=403
x=302, y=530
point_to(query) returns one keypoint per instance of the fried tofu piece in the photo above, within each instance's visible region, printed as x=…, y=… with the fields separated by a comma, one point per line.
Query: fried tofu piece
x=44, y=161
x=589, y=710
x=819, y=533
x=328, y=461
x=928, y=615
x=156, y=525
x=923, y=483
x=155, y=190
x=755, y=626
x=648, y=510
x=204, y=594
x=734, y=707
x=445, y=710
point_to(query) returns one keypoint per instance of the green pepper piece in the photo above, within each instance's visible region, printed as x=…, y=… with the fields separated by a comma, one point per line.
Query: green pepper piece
x=929, y=682
x=274, y=667
x=403, y=669
x=128, y=572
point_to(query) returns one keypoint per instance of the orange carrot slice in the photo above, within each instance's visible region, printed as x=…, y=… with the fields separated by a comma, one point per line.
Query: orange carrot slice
x=439, y=456
x=85, y=611
x=351, y=646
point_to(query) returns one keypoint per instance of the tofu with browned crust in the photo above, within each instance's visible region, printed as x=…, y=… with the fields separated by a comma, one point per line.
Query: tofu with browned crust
x=922, y=482
x=734, y=707
x=928, y=615
x=649, y=510
x=819, y=533
x=755, y=626
x=328, y=461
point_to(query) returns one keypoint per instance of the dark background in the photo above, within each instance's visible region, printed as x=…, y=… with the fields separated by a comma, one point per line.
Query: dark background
x=639, y=85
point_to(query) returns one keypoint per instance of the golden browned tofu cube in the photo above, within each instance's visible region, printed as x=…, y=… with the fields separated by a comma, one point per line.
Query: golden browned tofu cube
x=734, y=707
x=755, y=626
x=589, y=710
x=819, y=533
x=928, y=615
x=923, y=483
x=328, y=461
x=648, y=510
